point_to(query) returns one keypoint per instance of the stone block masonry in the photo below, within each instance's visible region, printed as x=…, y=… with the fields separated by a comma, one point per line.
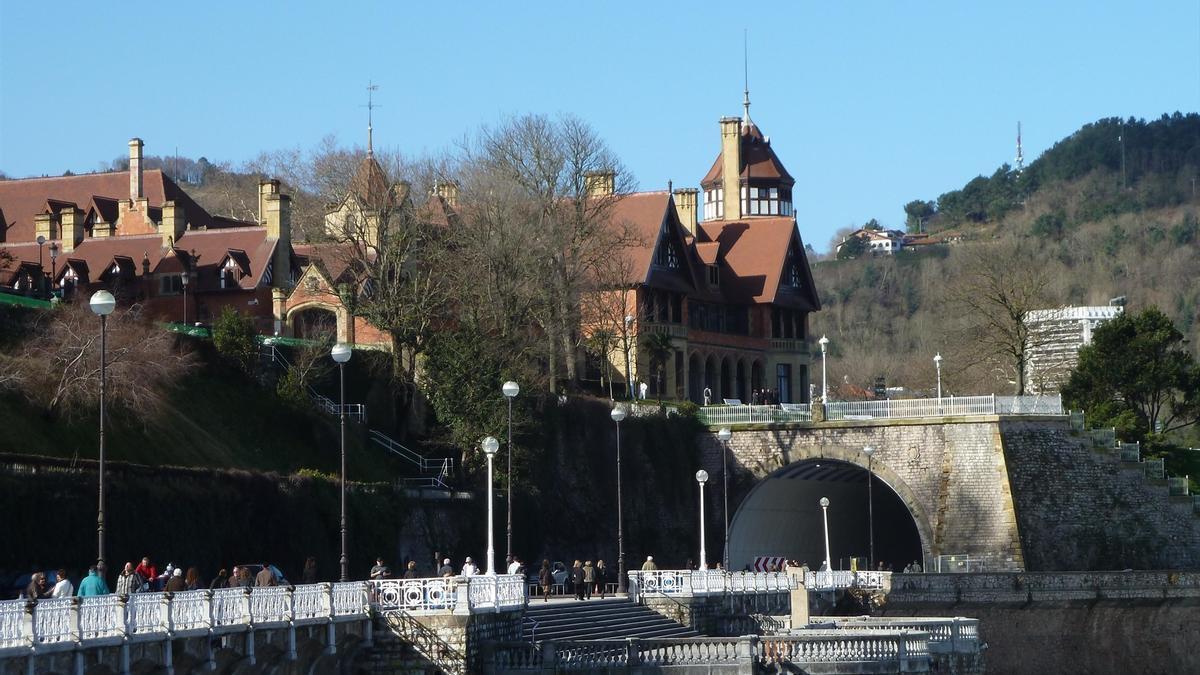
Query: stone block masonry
x=1025, y=491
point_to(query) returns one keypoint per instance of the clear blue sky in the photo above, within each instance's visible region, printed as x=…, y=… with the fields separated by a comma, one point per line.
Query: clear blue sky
x=869, y=104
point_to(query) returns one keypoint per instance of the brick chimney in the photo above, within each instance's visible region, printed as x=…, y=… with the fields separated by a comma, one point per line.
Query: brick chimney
x=600, y=183
x=135, y=169
x=685, y=207
x=72, y=228
x=731, y=166
x=173, y=223
x=279, y=228
x=266, y=188
x=447, y=190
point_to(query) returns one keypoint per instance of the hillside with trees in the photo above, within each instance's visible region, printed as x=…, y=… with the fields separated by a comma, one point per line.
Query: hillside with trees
x=1072, y=229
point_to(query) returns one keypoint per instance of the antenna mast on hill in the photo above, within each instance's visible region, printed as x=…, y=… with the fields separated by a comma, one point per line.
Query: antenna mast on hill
x=370, y=106
x=1020, y=155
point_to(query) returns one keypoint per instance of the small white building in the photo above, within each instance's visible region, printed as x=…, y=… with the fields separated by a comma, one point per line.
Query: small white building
x=1056, y=335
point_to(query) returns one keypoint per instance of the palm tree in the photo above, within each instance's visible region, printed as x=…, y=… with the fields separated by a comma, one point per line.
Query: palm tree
x=660, y=349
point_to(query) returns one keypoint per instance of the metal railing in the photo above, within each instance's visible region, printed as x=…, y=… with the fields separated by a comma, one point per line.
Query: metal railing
x=67, y=623
x=354, y=411
x=714, y=415
x=1178, y=486
x=442, y=467
x=1130, y=452
x=963, y=563
x=831, y=580
x=449, y=595
x=1154, y=469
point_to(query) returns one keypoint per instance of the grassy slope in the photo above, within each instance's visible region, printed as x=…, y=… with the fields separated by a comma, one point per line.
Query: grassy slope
x=211, y=420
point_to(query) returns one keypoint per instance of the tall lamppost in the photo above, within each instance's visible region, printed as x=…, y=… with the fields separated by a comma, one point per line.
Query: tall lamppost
x=53, y=264
x=825, y=517
x=341, y=354
x=824, y=342
x=724, y=435
x=102, y=303
x=618, y=414
x=510, y=389
x=628, y=368
x=183, y=279
x=937, y=363
x=490, y=446
x=702, y=478
x=870, y=452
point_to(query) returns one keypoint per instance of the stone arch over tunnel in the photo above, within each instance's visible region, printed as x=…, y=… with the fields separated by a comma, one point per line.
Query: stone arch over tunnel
x=781, y=514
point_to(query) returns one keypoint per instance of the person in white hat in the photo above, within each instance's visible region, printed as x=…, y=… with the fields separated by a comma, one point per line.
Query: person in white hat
x=469, y=569
x=649, y=565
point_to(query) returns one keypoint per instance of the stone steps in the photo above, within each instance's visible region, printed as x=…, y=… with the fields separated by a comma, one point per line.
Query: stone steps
x=597, y=620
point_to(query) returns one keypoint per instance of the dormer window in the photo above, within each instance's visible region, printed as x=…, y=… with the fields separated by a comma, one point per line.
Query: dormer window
x=714, y=275
x=666, y=256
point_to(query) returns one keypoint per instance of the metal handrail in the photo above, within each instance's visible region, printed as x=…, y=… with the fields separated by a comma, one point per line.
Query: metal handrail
x=444, y=466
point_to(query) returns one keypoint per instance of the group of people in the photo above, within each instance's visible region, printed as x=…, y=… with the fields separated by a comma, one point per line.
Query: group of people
x=146, y=578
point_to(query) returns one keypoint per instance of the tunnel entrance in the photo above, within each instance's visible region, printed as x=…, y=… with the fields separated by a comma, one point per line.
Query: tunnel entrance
x=782, y=517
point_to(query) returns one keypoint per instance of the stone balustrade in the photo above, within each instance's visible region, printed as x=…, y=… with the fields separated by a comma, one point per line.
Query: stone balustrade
x=864, y=650
x=946, y=635
x=59, y=624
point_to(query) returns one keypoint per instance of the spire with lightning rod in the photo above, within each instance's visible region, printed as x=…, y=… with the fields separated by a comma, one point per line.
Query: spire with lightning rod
x=1020, y=155
x=370, y=106
x=745, y=78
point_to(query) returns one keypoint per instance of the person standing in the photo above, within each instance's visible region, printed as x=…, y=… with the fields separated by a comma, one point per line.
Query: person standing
x=577, y=579
x=601, y=578
x=37, y=588
x=93, y=584
x=589, y=579
x=128, y=581
x=445, y=570
x=411, y=571
x=649, y=565
x=220, y=581
x=176, y=583
x=192, y=579
x=377, y=570
x=545, y=579
x=63, y=588
x=309, y=575
x=469, y=569
x=265, y=577
x=147, y=571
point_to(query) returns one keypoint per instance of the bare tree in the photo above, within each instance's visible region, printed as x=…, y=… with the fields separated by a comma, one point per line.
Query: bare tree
x=58, y=364
x=999, y=285
x=550, y=165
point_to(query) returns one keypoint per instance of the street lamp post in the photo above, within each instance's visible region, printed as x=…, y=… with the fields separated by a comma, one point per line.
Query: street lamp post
x=825, y=517
x=628, y=367
x=510, y=389
x=490, y=446
x=102, y=303
x=937, y=362
x=618, y=414
x=724, y=435
x=53, y=264
x=870, y=452
x=702, y=478
x=183, y=279
x=341, y=354
x=824, y=342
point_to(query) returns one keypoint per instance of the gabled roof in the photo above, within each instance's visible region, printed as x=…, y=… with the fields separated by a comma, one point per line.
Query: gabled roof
x=758, y=160
x=205, y=252
x=642, y=215
x=755, y=252
x=21, y=200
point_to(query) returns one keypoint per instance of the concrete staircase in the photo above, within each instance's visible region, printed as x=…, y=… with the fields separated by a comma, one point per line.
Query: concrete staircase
x=597, y=620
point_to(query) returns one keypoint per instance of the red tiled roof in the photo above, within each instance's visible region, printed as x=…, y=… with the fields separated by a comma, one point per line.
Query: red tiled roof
x=754, y=252
x=758, y=160
x=22, y=200
x=206, y=250
x=642, y=214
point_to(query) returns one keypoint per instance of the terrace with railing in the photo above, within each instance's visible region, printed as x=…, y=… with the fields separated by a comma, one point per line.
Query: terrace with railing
x=915, y=408
x=449, y=595
x=690, y=583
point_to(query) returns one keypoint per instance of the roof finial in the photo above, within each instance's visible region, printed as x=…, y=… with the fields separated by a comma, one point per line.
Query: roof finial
x=746, y=77
x=371, y=105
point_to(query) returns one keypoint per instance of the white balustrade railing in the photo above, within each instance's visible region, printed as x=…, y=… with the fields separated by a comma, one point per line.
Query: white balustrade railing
x=715, y=415
x=460, y=595
x=828, y=580
x=835, y=646
x=68, y=622
x=946, y=635
x=660, y=583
